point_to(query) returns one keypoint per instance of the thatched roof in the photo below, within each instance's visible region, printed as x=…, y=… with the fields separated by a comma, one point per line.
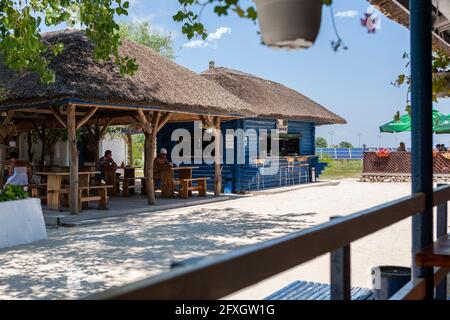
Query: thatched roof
x=398, y=11
x=270, y=99
x=159, y=83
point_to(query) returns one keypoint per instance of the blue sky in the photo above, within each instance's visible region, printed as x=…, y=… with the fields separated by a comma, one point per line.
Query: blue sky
x=354, y=83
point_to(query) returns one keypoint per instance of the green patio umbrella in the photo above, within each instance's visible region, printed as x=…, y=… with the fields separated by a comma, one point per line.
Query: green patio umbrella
x=404, y=123
x=442, y=124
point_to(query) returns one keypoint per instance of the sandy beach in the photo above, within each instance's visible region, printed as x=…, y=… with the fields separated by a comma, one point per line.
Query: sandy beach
x=76, y=262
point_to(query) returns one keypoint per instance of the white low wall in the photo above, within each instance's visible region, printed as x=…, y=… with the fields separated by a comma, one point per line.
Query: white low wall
x=21, y=222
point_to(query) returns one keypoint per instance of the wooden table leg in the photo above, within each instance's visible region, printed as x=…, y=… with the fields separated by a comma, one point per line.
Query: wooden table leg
x=184, y=193
x=125, y=187
x=167, y=186
x=187, y=174
x=54, y=192
x=202, y=190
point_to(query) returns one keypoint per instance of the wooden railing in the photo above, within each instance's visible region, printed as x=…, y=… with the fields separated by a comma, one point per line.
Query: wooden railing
x=217, y=277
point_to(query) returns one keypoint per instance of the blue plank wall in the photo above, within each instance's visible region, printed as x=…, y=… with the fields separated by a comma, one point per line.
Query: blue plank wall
x=244, y=175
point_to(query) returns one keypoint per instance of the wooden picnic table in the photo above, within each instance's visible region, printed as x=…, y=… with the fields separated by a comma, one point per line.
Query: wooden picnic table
x=54, y=185
x=436, y=254
x=168, y=179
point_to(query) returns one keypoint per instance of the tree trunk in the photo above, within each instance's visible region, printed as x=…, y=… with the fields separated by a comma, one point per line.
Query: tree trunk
x=71, y=130
x=151, y=150
x=97, y=148
x=30, y=146
x=2, y=164
x=217, y=157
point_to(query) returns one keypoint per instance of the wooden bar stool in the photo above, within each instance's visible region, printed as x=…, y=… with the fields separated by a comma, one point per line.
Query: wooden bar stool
x=288, y=171
x=303, y=170
x=260, y=163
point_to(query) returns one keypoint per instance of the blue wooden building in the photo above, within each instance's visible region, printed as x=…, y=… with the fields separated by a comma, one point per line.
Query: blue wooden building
x=279, y=108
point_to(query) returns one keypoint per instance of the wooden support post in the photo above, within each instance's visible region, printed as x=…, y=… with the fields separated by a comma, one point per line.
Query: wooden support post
x=441, y=230
x=422, y=132
x=73, y=158
x=150, y=156
x=340, y=273
x=217, y=157
x=2, y=164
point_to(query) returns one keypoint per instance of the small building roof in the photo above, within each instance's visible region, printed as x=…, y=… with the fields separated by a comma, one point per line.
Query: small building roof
x=159, y=83
x=270, y=99
x=398, y=11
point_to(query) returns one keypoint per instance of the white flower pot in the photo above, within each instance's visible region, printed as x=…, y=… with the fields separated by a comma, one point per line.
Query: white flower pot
x=292, y=24
x=21, y=222
x=446, y=92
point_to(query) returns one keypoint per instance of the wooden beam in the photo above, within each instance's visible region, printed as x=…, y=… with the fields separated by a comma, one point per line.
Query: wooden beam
x=142, y=118
x=105, y=127
x=164, y=120
x=59, y=117
x=9, y=117
x=217, y=157
x=73, y=158
x=86, y=117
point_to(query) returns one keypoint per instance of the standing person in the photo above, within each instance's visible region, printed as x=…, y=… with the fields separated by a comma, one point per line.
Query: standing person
x=106, y=163
x=17, y=171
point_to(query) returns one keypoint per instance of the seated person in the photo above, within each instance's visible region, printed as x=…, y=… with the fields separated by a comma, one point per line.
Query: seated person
x=106, y=163
x=17, y=172
x=160, y=163
x=402, y=147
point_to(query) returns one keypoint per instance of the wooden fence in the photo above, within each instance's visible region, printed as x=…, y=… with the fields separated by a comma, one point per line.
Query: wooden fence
x=220, y=276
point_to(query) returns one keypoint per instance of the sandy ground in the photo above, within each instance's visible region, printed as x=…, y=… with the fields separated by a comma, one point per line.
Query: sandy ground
x=75, y=262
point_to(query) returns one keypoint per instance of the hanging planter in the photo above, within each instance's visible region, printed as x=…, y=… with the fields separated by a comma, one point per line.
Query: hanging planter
x=441, y=84
x=292, y=24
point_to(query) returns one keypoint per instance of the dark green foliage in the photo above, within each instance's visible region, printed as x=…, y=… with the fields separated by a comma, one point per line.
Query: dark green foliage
x=12, y=192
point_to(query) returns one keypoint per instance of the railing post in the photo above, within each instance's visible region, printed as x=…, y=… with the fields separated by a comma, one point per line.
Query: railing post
x=340, y=277
x=441, y=230
x=422, y=131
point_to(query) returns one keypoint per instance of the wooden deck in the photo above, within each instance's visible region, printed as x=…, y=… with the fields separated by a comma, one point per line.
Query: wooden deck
x=305, y=290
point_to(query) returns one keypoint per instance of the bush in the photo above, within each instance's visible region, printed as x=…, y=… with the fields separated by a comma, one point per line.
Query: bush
x=326, y=158
x=12, y=192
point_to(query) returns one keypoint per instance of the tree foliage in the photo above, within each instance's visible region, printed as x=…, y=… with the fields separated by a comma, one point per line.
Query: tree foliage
x=441, y=63
x=345, y=144
x=321, y=142
x=21, y=22
x=143, y=33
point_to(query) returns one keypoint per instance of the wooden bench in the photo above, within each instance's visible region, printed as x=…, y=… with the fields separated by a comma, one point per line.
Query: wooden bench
x=38, y=191
x=305, y=290
x=126, y=185
x=436, y=254
x=85, y=196
x=186, y=186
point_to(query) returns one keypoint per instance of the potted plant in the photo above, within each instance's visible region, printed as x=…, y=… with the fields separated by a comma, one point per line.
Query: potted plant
x=21, y=218
x=290, y=23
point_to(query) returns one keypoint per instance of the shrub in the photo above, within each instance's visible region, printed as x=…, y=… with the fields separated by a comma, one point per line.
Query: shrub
x=12, y=192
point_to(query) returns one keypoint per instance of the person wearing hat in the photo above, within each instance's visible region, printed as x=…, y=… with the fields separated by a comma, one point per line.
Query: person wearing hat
x=159, y=164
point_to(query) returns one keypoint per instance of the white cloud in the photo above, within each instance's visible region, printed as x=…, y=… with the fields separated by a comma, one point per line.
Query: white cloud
x=219, y=33
x=196, y=44
x=347, y=14
x=211, y=40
